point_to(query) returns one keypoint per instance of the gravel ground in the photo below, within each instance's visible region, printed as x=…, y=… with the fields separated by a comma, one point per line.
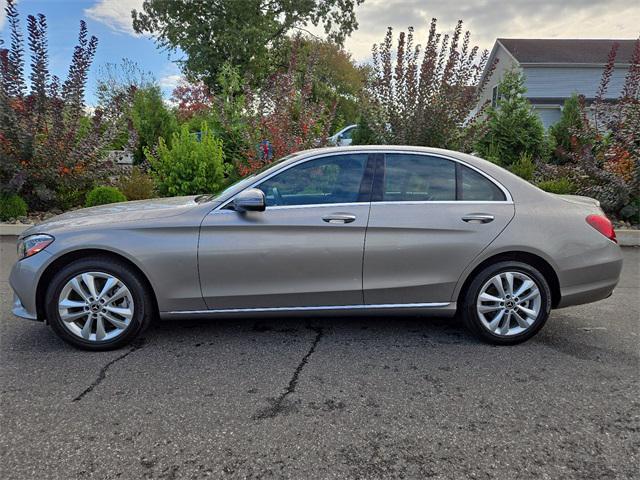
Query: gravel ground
x=337, y=398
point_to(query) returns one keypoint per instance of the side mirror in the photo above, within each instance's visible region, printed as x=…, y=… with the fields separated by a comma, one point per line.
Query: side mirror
x=251, y=200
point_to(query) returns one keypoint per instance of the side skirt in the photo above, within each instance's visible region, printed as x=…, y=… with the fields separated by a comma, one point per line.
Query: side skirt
x=442, y=309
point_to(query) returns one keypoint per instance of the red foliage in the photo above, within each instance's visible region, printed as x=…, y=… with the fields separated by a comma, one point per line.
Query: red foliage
x=48, y=144
x=426, y=96
x=285, y=114
x=191, y=99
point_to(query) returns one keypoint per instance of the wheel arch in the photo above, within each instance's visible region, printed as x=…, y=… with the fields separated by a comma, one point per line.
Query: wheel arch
x=69, y=257
x=536, y=261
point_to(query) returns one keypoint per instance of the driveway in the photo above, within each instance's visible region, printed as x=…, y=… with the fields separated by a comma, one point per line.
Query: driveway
x=337, y=398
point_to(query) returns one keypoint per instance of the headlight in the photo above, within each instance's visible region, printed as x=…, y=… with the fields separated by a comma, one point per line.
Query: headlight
x=33, y=244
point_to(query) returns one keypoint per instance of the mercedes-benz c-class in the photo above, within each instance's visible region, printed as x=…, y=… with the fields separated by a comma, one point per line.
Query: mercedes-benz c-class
x=333, y=232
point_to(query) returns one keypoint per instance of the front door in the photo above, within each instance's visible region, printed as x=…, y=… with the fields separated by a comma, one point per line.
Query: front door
x=304, y=250
x=430, y=217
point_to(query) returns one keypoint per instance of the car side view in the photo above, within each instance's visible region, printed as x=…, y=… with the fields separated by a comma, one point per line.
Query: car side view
x=331, y=232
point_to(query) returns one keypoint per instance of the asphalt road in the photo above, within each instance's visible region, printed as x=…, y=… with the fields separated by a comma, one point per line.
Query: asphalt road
x=341, y=398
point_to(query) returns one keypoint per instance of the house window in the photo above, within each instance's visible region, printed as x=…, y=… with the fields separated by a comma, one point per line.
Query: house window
x=494, y=96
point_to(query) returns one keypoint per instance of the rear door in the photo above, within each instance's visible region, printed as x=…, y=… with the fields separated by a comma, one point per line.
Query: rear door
x=430, y=216
x=304, y=250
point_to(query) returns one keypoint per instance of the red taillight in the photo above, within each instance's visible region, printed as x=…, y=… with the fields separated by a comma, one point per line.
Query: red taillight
x=603, y=225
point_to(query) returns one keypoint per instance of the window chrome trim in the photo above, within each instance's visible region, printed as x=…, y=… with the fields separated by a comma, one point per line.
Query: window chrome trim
x=507, y=193
x=305, y=309
x=317, y=205
x=449, y=202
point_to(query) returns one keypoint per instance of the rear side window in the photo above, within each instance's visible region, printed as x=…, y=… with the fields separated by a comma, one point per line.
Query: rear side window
x=476, y=187
x=418, y=178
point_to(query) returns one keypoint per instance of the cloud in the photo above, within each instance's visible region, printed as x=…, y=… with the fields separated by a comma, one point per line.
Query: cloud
x=170, y=81
x=116, y=14
x=488, y=20
x=3, y=15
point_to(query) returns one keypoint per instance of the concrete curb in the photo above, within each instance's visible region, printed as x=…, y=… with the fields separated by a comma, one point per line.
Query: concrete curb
x=626, y=237
x=13, y=229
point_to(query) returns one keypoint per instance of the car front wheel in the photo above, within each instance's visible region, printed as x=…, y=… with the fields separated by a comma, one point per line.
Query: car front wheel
x=97, y=304
x=507, y=303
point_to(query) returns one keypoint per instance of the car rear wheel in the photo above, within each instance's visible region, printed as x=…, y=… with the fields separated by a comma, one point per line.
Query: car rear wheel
x=98, y=304
x=507, y=303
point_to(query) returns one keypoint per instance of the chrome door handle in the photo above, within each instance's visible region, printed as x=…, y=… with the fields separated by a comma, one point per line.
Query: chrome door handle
x=339, y=218
x=478, y=218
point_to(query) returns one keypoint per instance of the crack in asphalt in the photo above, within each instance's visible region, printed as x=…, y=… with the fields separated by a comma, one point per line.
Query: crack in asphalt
x=277, y=405
x=103, y=371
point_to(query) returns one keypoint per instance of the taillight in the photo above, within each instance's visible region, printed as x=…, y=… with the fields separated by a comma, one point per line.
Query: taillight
x=603, y=225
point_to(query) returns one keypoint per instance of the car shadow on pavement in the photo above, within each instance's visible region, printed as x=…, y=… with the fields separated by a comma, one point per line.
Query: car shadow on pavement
x=439, y=330
x=164, y=333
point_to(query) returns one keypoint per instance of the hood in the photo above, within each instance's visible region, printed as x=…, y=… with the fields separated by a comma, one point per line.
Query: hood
x=116, y=213
x=579, y=199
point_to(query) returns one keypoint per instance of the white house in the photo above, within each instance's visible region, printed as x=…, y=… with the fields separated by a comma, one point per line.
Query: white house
x=554, y=69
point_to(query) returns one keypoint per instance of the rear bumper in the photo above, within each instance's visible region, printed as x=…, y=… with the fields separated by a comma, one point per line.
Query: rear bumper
x=594, y=280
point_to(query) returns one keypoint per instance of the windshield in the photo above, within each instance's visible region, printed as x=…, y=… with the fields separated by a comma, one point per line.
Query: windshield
x=243, y=182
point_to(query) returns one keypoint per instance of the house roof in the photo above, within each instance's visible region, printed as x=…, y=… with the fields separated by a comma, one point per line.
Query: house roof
x=526, y=50
x=565, y=51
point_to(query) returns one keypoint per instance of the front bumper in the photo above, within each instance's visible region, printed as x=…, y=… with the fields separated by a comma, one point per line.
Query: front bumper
x=19, y=311
x=24, y=278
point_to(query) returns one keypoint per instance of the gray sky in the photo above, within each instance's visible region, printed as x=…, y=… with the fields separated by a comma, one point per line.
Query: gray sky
x=488, y=19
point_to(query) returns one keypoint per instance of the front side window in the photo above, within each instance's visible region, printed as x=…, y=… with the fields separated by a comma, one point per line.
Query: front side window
x=418, y=178
x=332, y=179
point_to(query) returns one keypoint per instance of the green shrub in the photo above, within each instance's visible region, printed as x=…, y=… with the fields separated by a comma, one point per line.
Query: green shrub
x=562, y=186
x=631, y=211
x=104, y=195
x=12, y=206
x=191, y=165
x=524, y=166
x=70, y=197
x=137, y=185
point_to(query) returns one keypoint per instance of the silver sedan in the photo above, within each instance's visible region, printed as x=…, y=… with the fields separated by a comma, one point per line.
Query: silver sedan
x=337, y=231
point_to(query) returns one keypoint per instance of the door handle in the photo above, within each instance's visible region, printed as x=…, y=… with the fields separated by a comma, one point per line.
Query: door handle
x=339, y=218
x=478, y=218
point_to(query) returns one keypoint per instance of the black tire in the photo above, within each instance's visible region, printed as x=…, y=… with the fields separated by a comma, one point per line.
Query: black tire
x=143, y=304
x=470, y=315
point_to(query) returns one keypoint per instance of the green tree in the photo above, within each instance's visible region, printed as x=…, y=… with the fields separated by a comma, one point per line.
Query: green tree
x=151, y=119
x=512, y=127
x=211, y=33
x=338, y=79
x=563, y=133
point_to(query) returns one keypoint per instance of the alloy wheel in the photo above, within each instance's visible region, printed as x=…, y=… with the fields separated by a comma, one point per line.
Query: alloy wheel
x=96, y=306
x=509, y=304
